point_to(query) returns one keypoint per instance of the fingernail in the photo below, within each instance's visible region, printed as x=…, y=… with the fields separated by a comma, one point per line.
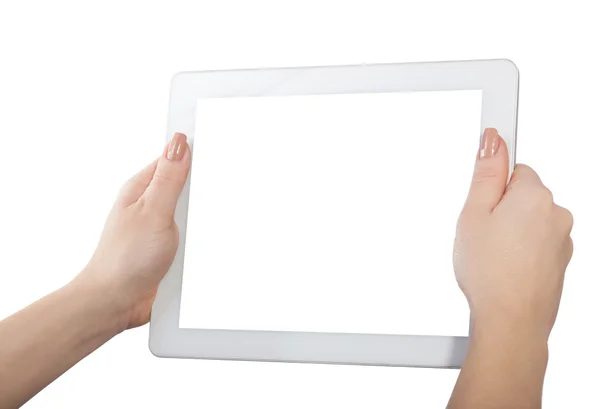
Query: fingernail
x=489, y=143
x=176, y=148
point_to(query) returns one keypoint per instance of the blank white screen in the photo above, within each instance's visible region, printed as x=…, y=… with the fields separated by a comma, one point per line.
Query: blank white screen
x=329, y=213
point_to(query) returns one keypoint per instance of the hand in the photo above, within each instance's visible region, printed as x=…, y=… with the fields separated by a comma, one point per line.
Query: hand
x=140, y=237
x=513, y=245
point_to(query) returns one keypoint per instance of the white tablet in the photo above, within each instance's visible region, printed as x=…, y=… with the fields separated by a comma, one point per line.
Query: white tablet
x=318, y=221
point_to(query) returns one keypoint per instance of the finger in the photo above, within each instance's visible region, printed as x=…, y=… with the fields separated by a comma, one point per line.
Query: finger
x=490, y=174
x=565, y=219
x=170, y=175
x=524, y=175
x=568, y=251
x=136, y=185
x=570, y=247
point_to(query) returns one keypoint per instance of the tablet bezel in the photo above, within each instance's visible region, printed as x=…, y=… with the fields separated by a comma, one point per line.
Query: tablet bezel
x=497, y=79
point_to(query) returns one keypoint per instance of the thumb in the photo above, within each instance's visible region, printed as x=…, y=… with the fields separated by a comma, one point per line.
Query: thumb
x=490, y=174
x=170, y=175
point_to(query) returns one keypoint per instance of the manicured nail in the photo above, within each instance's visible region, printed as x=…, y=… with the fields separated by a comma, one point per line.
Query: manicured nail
x=489, y=143
x=177, y=147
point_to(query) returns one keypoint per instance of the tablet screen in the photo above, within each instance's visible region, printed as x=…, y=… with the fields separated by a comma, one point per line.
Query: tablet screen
x=329, y=213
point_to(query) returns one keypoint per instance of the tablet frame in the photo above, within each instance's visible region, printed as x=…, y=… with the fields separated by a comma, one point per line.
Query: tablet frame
x=499, y=82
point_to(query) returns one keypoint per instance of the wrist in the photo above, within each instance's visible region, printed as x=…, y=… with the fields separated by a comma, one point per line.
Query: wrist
x=505, y=335
x=510, y=317
x=102, y=300
x=505, y=364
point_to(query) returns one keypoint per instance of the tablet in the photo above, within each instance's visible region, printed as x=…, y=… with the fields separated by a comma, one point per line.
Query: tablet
x=318, y=221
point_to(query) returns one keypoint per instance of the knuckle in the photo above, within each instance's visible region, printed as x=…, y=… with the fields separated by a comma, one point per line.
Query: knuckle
x=126, y=194
x=547, y=194
x=124, y=190
x=154, y=219
x=569, y=248
x=167, y=177
x=542, y=196
x=162, y=177
x=522, y=168
x=514, y=184
x=569, y=217
x=566, y=216
x=484, y=174
x=523, y=171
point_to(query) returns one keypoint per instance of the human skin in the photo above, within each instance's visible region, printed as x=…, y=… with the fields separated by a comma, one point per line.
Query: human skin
x=511, y=251
x=512, y=248
x=114, y=292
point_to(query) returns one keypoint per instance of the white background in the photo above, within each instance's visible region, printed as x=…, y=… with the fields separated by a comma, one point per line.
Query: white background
x=305, y=213
x=83, y=104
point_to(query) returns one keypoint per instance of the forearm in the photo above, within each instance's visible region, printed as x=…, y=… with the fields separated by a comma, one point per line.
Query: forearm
x=47, y=338
x=504, y=368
